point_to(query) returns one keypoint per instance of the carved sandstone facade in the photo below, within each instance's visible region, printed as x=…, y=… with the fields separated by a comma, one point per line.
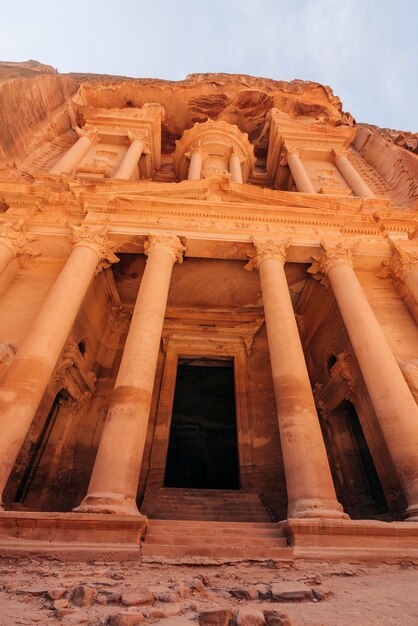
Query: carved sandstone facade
x=144, y=374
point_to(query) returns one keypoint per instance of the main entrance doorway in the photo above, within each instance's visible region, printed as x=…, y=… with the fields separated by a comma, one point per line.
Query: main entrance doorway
x=202, y=450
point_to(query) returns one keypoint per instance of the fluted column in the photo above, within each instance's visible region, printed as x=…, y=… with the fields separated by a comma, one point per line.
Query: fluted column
x=131, y=158
x=351, y=175
x=392, y=400
x=235, y=168
x=300, y=176
x=196, y=164
x=29, y=372
x=76, y=153
x=14, y=242
x=310, y=488
x=114, y=480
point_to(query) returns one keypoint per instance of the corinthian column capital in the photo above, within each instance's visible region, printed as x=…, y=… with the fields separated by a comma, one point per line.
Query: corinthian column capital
x=97, y=240
x=18, y=240
x=170, y=243
x=402, y=262
x=332, y=255
x=143, y=136
x=91, y=133
x=265, y=250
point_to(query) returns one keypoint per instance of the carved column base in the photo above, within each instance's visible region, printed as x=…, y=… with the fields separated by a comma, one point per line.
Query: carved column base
x=112, y=503
x=411, y=513
x=326, y=509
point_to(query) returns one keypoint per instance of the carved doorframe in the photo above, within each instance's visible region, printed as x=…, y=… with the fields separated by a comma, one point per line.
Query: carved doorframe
x=200, y=345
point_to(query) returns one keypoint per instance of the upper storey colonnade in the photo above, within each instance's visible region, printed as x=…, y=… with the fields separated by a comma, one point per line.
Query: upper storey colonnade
x=125, y=144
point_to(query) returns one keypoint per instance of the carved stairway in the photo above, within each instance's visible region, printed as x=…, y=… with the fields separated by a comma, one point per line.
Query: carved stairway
x=181, y=539
x=205, y=505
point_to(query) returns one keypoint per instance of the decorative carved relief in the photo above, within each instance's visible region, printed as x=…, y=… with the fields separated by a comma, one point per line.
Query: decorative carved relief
x=7, y=352
x=71, y=374
x=402, y=262
x=170, y=243
x=97, y=239
x=410, y=371
x=221, y=339
x=342, y=383
x=267, y=250
x=18, y=240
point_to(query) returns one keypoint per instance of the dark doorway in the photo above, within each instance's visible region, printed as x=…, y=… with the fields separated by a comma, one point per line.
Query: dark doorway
x=355, y=477
x=202, y=451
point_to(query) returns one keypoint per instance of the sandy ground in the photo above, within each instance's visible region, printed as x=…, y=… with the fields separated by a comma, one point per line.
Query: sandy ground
x=346, y=594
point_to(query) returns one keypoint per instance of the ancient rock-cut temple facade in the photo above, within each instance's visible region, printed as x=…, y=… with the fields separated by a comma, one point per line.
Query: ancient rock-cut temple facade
x=208, y=311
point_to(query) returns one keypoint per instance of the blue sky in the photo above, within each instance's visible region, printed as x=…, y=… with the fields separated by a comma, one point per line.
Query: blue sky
x=366, y=50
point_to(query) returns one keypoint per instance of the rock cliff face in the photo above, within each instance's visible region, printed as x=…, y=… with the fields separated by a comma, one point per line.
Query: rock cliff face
x=37, y=104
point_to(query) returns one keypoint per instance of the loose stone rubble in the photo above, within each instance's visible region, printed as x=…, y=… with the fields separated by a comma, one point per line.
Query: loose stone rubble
x=39, y=591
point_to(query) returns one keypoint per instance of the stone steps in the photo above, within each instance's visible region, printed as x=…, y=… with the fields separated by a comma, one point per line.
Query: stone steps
x=204, y=504
x=226, y=540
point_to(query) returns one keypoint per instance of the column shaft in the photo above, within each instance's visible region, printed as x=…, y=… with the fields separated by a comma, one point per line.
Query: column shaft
x=301, y=178
x=309, y=483
x=130, y=161
x=196, y=164
x=392, y=400
x=28, y=375
x=6, y=255
x=235, y=168
x=352, y=177
x=114, y=481
x=72, y=158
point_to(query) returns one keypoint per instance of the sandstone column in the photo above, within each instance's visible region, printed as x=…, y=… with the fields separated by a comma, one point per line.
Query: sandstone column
x=392, y=400
x=130, y=160
x=28, y=375
x=351, y=175
x=114, y=481
x=300, y=176
x=76, y=153
x=196, y=164
x=309, y=483
x=235, y=168
x=15, y=241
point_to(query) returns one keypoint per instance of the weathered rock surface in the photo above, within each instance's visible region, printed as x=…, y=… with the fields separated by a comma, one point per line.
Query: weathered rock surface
x=137, y=597
x=250, y=617
x=290, y=592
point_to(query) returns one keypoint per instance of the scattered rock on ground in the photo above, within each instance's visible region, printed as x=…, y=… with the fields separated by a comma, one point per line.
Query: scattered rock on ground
x=245, y=593
x=83, y=595
x=291, y=592
x=216, y=617
x=250, y=617
x=139, y=596
x=125, y=619
x=274, y=618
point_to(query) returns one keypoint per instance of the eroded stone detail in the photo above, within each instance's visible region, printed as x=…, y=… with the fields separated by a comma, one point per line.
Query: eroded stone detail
x=267, y=250
x=171, y=243
x=18, y=240
x=97, y=240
